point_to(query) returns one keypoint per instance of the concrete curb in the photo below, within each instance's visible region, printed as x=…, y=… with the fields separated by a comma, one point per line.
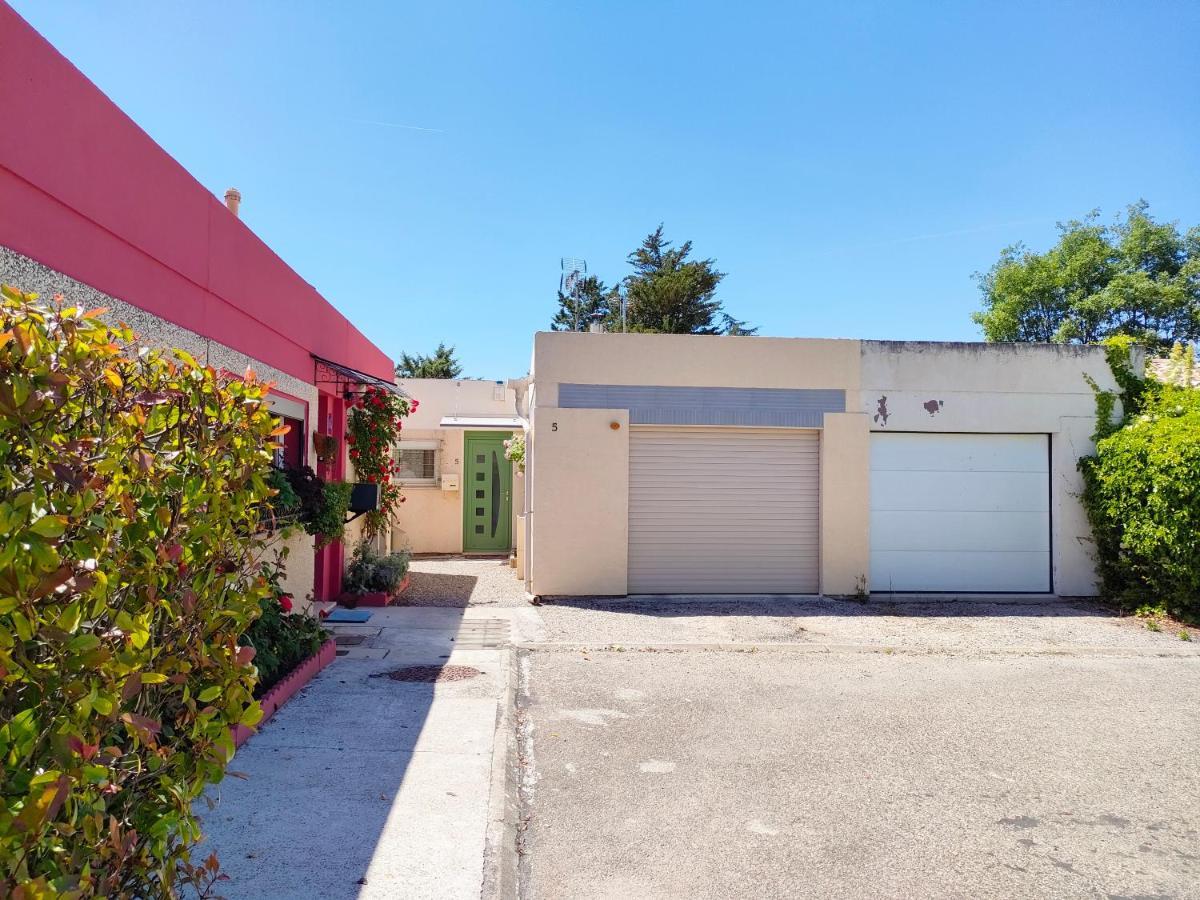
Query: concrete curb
x=500, y=881
x=882, y=649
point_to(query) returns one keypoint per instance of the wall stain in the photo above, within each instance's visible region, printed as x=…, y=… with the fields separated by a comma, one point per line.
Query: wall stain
x=933, y=406
x=881, y=416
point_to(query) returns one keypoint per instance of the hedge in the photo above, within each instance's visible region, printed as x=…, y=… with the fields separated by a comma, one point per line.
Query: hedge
x=1142, y=492
x=130, y=489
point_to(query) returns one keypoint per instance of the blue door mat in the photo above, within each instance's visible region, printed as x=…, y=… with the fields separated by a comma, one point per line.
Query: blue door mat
x=346, y=616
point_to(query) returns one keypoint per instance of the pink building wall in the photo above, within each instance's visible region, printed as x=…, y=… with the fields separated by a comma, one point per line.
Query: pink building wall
x=84, y=191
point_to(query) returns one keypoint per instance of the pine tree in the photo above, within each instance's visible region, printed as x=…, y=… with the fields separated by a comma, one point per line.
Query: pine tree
x=590, y=301
x=672, y=294
x=441, y=364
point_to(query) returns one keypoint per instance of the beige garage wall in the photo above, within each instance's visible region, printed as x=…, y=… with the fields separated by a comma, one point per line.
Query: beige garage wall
x=579, y=480
x=579, y=512
x=845, y=507
x=693, y=360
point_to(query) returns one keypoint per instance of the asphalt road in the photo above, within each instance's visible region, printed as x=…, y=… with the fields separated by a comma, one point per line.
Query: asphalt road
x=796, y=772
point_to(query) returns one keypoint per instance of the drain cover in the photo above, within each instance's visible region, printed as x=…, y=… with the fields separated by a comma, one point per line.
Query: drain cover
x=349, y=640
x=430, y=673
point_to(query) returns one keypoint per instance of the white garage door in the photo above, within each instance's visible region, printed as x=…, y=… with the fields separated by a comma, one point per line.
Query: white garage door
x=960, y=512
x=723, y=511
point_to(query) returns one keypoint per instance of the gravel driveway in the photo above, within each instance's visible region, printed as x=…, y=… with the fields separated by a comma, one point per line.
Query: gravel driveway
x=459, y=581
x=980, y=750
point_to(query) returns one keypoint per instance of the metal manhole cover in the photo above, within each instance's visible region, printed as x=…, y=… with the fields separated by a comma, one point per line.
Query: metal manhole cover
x=430, y=673
x=349, y=640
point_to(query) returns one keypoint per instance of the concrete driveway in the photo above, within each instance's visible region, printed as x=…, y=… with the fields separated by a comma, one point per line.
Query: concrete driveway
x=816, y=748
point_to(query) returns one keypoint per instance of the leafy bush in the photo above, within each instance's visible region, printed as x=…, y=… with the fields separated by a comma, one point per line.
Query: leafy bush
x=281, y=639
x=1142, y=492
x=131, y=485
x=371, y=571
x=320, y=506
x=328, y=521
x=285, y=503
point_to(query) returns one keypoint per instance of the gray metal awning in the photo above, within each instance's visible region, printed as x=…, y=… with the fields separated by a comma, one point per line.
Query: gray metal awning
x=507, y=423
x=345, y=375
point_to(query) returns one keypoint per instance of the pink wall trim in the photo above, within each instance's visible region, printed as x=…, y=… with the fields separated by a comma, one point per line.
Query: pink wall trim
x=274, y=699
x=84, y=191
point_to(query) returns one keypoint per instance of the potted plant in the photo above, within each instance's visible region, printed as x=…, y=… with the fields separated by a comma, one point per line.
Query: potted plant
x=374, y=578
x=514, y=452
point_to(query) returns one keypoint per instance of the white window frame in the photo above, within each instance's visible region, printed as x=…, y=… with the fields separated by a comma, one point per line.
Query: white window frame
x=435, y=446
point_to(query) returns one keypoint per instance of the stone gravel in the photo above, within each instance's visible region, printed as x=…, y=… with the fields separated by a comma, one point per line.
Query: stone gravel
x=961, y=626
x=463, y=581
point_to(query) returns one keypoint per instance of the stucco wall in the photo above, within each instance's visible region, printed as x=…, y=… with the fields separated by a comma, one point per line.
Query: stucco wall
x=431, y=519
x=845, y=544
x=578, y=524
x=1004, y=389
x=580, y=502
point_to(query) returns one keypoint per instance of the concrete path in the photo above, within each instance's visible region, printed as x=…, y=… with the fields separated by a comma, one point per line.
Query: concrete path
x=368, y=787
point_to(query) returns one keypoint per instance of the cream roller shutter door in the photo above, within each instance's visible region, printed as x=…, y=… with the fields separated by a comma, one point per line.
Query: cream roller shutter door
x=960, y=512
x=723, y=510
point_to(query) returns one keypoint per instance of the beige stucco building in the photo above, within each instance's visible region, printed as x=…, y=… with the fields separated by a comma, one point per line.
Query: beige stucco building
x=440, y=501
x=696, y=464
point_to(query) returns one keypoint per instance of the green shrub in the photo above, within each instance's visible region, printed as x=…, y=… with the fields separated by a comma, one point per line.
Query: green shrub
x=285, y=503
x=1142, y=493
x=130, y=489
x=281, y=639
x=371, y=571
x=327, y=516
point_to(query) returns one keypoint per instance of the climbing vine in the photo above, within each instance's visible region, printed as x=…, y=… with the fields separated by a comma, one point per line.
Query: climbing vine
x=1142, y=490
x=376, y=418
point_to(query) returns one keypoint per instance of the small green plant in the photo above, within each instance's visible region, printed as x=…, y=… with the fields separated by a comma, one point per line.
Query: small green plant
x=1152, y=625
x=285, y=503
x=327, y=516
x=373, y=572
x=860, y=589
x=1185, y=635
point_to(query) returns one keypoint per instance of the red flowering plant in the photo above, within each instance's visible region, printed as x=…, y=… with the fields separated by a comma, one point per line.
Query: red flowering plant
x=376, y=417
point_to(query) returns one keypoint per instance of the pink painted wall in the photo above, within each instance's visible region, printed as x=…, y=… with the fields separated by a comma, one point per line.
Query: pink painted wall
x=85, y=191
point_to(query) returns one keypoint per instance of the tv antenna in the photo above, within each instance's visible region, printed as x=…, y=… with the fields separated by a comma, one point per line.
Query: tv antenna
x=571, y=281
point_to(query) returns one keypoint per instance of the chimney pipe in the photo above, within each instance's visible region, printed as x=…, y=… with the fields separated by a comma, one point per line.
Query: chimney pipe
x=233, y=197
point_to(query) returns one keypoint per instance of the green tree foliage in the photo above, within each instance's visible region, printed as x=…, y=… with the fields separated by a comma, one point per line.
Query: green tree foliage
x=441, y=364
x=1136, y=277
x=131, y=485
x=1142, y=491
x=672, y=294
x=667, y=293
x=590, y=302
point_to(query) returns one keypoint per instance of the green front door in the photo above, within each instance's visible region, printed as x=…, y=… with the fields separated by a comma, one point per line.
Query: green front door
x=487, y=493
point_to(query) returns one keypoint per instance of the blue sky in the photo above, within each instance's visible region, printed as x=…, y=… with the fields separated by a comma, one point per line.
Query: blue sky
x=848, y=164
